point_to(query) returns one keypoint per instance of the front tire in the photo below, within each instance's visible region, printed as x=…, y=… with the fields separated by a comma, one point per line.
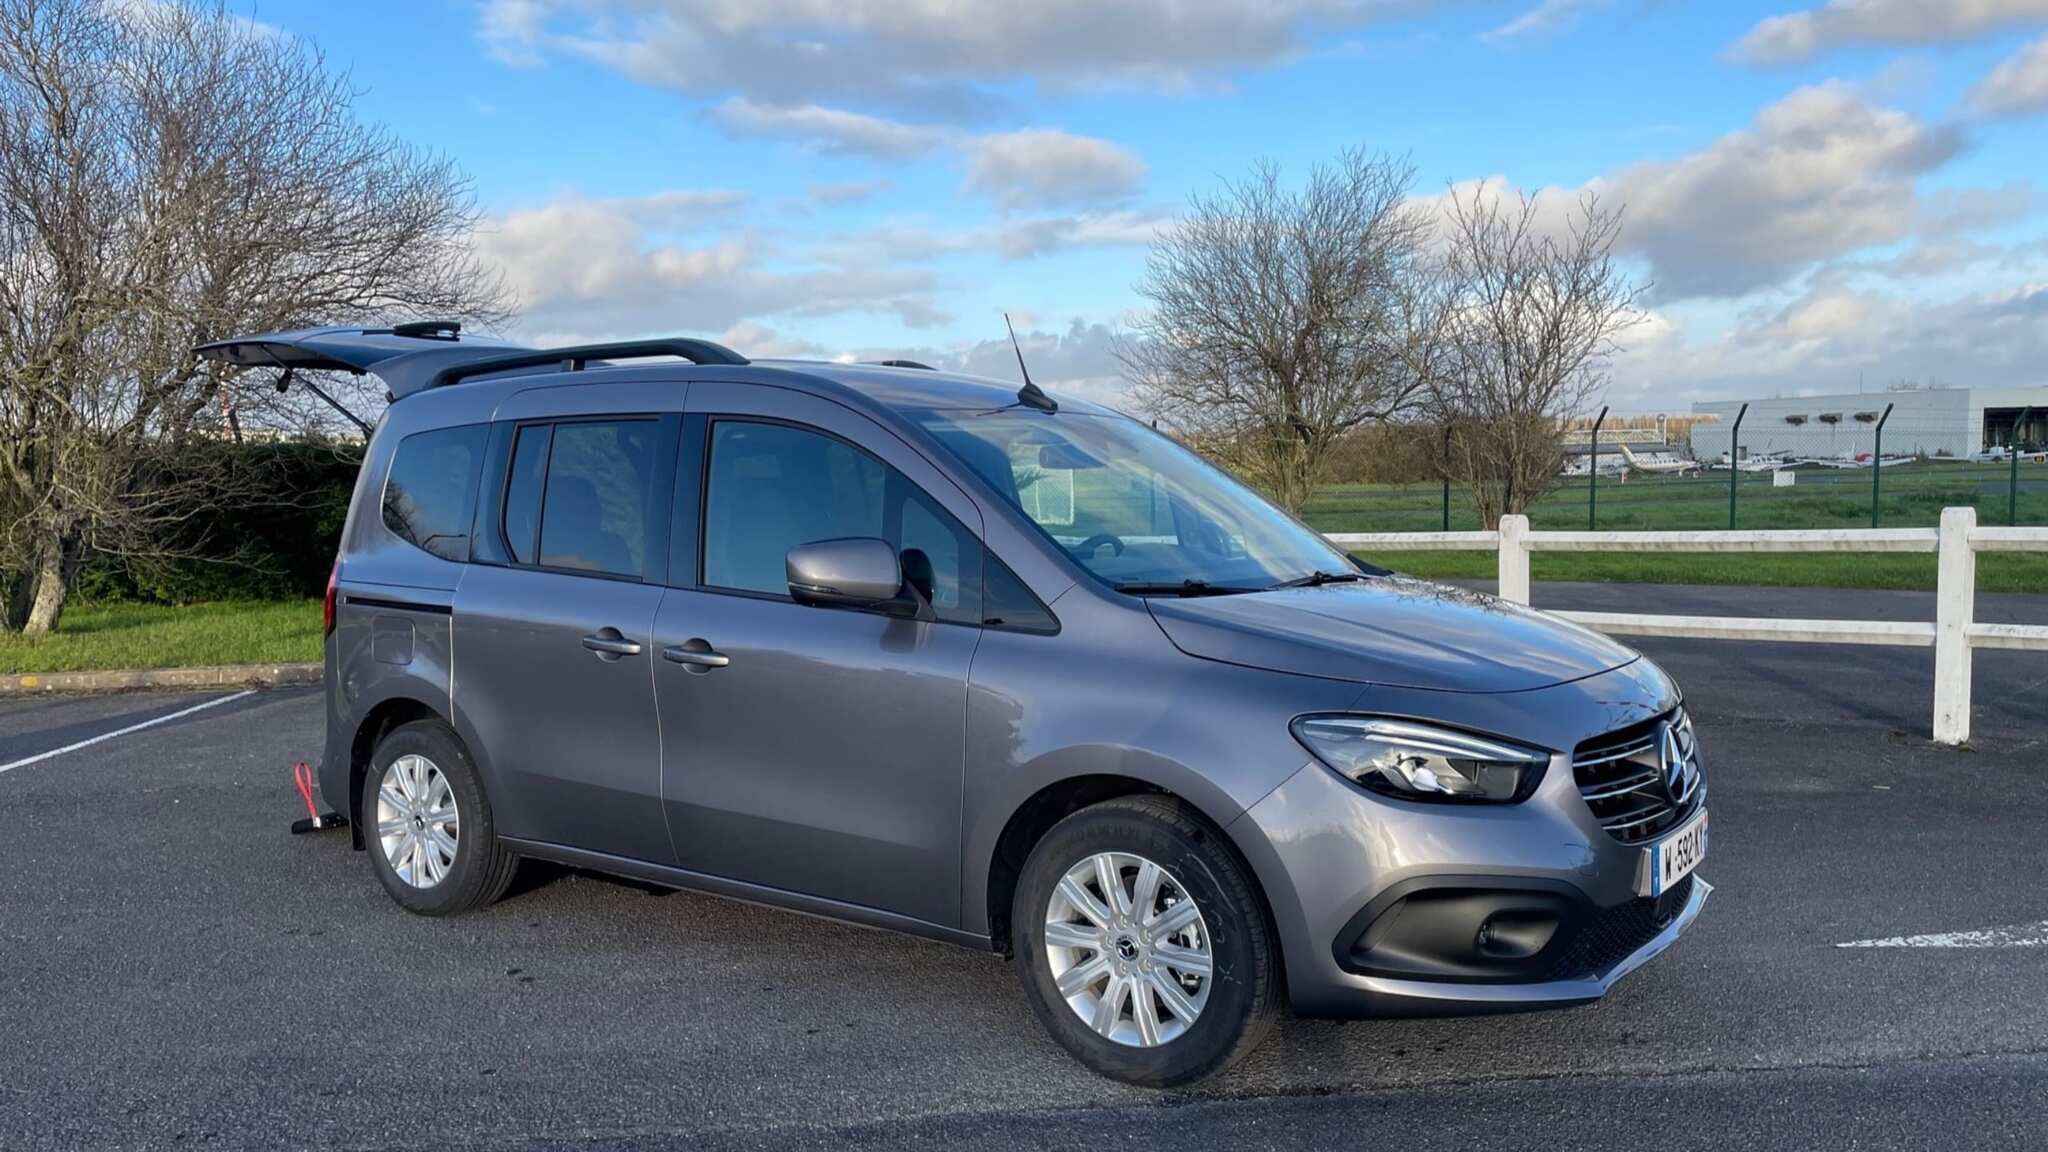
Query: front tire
x=1143, y=944
x=429, y=830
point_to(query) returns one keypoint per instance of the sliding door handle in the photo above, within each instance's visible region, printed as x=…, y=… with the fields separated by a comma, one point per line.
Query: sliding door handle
x=609, y=642
x=696, y=655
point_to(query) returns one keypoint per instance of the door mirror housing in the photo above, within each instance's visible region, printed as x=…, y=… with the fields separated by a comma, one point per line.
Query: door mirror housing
x=859, y=572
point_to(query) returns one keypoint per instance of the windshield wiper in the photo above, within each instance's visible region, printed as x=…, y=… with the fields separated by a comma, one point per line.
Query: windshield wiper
x=1183, y=588
x=1318, y=578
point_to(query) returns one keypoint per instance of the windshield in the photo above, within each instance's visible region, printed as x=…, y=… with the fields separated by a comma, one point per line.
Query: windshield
x=1132, y=506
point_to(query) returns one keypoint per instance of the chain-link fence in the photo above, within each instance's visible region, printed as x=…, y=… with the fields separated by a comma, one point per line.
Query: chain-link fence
x=1842, y=472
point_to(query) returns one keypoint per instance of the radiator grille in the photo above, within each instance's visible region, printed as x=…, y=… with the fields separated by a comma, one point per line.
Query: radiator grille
x=1633, y=784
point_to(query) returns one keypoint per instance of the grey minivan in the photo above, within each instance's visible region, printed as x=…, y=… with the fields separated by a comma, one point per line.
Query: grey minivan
x=935, y=654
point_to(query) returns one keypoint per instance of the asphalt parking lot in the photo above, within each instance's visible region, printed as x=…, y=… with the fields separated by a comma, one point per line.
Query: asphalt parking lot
x=177, y=971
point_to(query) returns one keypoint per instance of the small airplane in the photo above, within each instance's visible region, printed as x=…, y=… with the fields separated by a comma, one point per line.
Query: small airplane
x=1658, y=463
x=1999, y=454
x=1859, y=460
x=1579, y=466
x=1764, y=462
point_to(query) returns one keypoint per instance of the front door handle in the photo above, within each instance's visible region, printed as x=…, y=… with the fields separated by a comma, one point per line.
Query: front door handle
x=698, y=655
x=608, y=642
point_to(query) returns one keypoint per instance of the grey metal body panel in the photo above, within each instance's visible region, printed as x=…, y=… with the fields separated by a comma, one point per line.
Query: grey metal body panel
x=575, y=748
x=1405, y=633
x=575, y=741
x=856, y=765
x=1323, y=847
x=404, y=363
x=826, y=758
x=1110, y=696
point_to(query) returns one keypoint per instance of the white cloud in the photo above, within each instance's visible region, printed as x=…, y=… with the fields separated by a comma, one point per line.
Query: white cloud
x=1546, y=16
x=2018, y=86
x=511, y=30
x=1820, y=174
x=1040, y=168
x=1079, y=361
x=1799, y=36
x=1016, y=238
x=832, y=129
x=939, y=55
x=1833, y=335
x=615, y=268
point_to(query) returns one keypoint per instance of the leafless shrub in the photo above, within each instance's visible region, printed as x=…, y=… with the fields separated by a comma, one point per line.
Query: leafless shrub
x=1524, y=324
x=1282, y=318
x=170, y=175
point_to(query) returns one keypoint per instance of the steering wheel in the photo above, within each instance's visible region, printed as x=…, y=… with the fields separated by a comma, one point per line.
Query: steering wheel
x=1096, y=541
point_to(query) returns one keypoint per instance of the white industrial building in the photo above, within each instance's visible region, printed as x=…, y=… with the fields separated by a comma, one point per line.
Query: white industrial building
x=1936, y=422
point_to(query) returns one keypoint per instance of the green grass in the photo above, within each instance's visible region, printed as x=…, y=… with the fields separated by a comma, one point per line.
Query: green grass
x=1912, y=496
x=93, y=637
x=113, y=636
x=1996, y=572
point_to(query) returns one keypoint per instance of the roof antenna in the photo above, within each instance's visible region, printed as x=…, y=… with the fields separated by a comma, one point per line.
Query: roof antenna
x=1030, y=395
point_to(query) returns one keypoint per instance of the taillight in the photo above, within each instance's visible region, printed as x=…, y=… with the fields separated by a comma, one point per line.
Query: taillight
x=327, y=601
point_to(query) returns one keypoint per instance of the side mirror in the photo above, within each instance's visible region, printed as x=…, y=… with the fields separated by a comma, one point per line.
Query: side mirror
x=860, y=572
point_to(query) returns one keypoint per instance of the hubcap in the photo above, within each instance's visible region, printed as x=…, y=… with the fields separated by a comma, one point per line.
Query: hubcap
x=1128, y=949
x=417, y=822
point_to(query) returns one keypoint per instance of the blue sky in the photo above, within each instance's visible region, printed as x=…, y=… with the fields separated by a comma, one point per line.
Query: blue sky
x=1819, y=192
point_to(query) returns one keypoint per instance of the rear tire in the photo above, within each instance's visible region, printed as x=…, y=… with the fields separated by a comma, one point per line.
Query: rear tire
x=428, y=825
x=1132, y=967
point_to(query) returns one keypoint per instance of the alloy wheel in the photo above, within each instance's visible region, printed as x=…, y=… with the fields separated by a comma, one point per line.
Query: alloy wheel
x=1128, y=949
x=418, y=825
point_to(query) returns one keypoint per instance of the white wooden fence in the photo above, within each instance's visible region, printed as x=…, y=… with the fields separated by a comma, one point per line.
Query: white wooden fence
x=1953, y=635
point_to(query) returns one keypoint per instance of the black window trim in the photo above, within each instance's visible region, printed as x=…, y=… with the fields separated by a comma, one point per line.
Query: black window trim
x=702, y=448
x=666, y=458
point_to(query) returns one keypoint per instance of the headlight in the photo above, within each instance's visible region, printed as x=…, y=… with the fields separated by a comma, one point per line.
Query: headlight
x=1420, y=761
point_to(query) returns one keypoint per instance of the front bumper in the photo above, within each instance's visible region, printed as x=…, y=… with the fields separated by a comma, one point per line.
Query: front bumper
x=1339, y=866
x=1387, y=996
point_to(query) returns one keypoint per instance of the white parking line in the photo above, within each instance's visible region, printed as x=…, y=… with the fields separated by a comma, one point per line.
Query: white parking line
x=2009, y=936
x=41, y=756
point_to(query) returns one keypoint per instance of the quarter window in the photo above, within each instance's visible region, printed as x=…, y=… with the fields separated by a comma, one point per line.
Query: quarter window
x=772, y=487
x=522, y=492
x=430, y=494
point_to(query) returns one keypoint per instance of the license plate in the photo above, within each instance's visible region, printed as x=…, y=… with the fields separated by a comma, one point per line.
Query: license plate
x=1675, y=856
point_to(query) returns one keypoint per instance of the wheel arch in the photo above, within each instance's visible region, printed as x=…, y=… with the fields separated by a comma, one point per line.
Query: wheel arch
x=389, y=713
x=1036, y=814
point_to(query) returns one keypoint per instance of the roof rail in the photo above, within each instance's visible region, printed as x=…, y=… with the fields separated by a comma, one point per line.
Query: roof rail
x=578, y=358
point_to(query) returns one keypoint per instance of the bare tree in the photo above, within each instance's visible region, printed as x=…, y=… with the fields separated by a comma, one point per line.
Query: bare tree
x=1525, y=323
x=171, y=175
x=1282, y=318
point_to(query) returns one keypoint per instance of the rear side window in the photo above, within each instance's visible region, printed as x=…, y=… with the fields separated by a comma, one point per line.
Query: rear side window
x=430, y=495
x=597, y=497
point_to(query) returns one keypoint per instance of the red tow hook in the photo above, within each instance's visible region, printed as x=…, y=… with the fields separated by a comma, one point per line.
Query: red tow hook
x=315, y=821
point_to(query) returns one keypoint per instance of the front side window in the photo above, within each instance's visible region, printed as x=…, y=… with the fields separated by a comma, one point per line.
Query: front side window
x=430, y=494
x=772, y=487
x=595, y=498
x=1132, y=506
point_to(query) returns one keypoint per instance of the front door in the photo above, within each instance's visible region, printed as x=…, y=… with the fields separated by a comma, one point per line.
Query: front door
x=814, y=750
x=554, y=640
